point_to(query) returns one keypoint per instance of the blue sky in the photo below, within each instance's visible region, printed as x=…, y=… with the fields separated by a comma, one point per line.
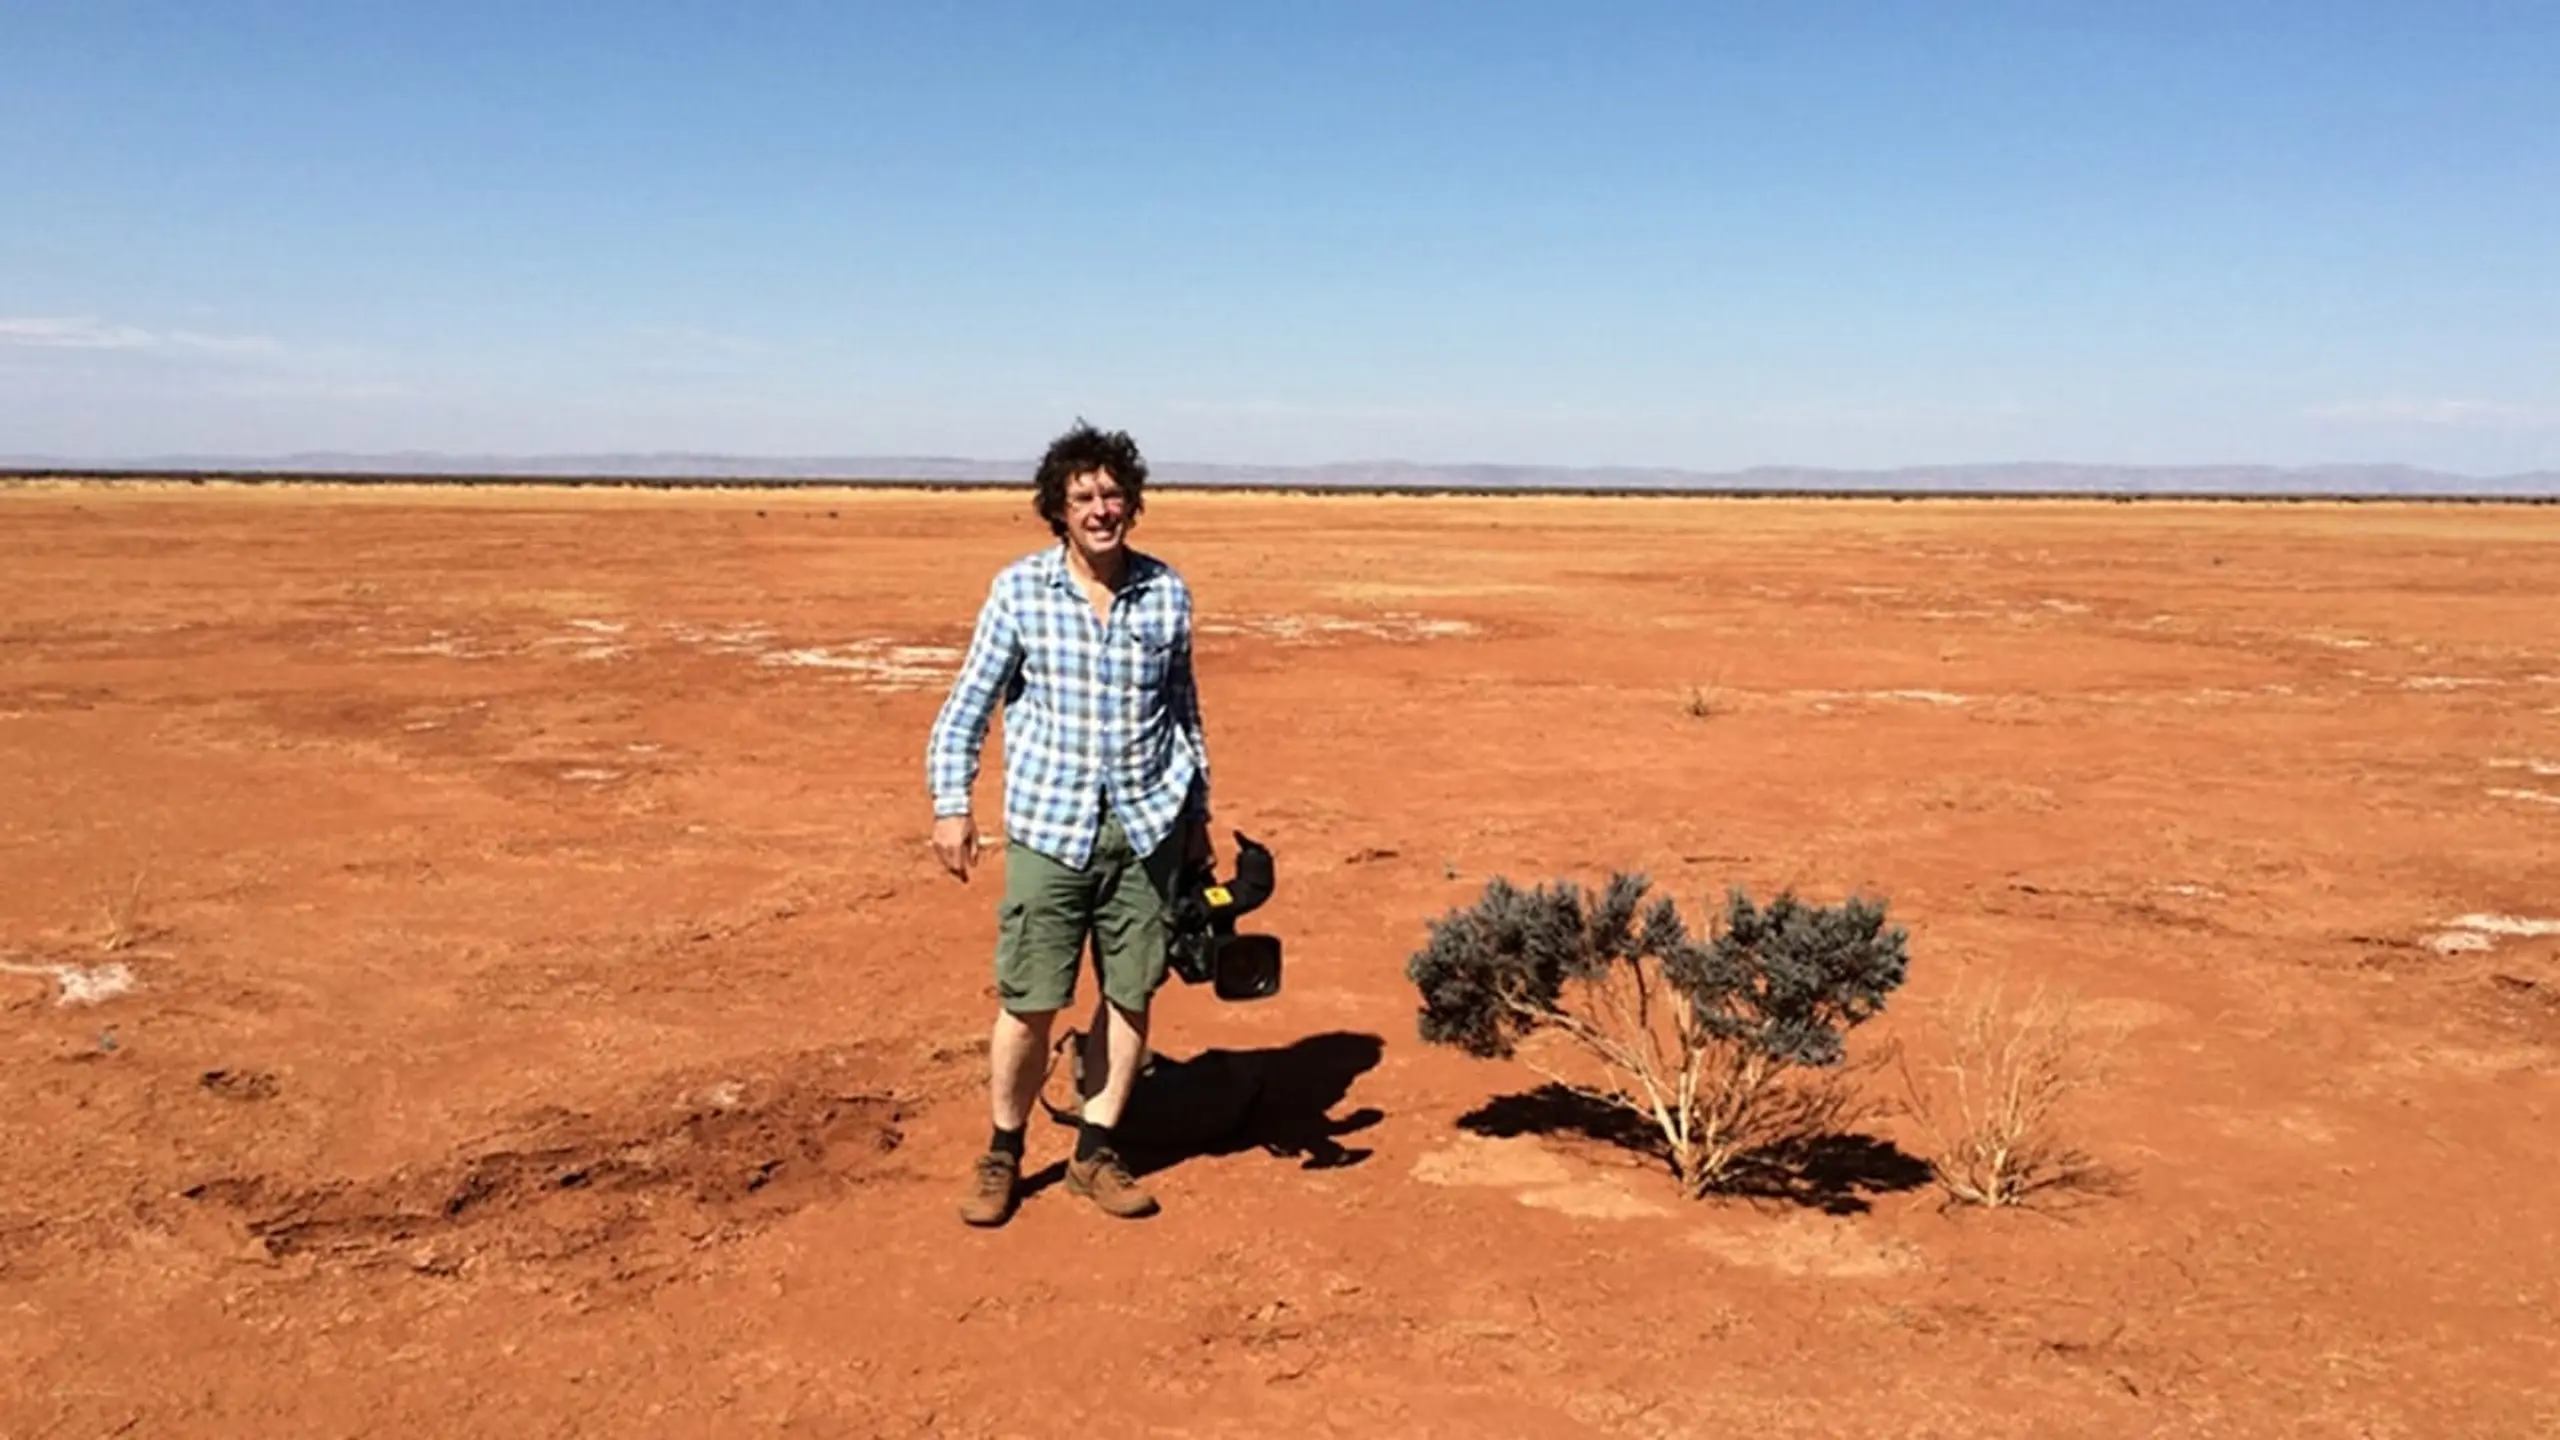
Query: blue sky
x=1684, y=235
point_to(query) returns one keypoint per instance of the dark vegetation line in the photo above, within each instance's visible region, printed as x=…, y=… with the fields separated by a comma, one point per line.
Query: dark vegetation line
x=782, y=484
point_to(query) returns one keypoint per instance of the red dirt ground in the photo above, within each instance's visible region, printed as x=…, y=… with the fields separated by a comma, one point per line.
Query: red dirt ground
x=547, y=1018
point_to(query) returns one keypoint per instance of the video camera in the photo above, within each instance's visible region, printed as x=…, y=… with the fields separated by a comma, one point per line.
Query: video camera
x=1205, y=948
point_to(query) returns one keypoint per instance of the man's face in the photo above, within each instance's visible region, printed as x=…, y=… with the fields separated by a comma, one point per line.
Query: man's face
x=1097, y=514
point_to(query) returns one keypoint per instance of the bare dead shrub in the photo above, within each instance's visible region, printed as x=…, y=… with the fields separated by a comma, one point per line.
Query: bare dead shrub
x=1995, y=1107
x=120, y=913
x=1729, y=1047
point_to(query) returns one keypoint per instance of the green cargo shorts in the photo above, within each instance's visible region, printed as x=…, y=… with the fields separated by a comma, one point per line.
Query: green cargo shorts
x=1121, y=901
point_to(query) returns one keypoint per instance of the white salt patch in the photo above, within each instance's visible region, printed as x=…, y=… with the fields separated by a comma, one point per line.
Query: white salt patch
x=2067, y=607
x=722, y=1095
x=599, y=627
x=2341, y=642
x=815, y=658
x=1400, y=627
x=2538, y=797
x=2443, y=682
x=2505, y=925
x=925, y=654
x=82, y=985
x=88, y=987
x=1821, y=699
x=877, y=662
x=590, y=774
x=881, y=664
x=457, y=647
x=2456, y=942
x=593, y=641
x=2538, y=767
x=2200, y=892
x=734, y=640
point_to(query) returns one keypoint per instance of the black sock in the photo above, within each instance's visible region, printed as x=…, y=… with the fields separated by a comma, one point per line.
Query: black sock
x=1008, y=1142
x=1091, y=1139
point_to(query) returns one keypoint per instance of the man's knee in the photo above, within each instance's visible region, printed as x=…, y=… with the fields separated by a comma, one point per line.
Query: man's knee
x=1131, y=975
x=1111, y=1010
x=1034, y=1021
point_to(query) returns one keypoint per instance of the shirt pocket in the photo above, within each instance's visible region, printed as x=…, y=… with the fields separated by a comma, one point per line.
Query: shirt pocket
x=1155, y=655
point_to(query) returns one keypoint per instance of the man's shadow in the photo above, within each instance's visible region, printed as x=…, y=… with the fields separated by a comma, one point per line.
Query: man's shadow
x=1278, y=1100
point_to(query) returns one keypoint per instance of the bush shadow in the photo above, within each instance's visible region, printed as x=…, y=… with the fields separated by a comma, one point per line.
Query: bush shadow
x=1276, y=1099
x=1834, y=1173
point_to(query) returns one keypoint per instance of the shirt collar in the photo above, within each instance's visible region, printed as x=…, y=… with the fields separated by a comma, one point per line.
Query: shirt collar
x=1142, y=570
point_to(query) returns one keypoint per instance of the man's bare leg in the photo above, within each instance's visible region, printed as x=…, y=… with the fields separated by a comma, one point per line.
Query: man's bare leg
x=1113, y=1049
x=1014, y=1051
x=1093, y=1055
x=1014, y=1054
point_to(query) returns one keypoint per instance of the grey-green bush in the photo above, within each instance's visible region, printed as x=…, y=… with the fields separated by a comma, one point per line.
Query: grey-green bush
x=1699, y=1035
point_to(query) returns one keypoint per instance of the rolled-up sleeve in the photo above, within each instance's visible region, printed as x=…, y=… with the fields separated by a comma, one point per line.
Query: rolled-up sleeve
x=960, y=731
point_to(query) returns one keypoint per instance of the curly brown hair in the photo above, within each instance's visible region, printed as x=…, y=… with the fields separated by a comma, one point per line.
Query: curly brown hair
x=1081, y=449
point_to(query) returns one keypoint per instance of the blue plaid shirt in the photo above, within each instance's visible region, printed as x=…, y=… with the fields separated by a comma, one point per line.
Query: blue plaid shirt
x=1096, y=712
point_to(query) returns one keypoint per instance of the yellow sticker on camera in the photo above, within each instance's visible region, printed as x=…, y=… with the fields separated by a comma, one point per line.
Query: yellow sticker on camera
x=1217, y=895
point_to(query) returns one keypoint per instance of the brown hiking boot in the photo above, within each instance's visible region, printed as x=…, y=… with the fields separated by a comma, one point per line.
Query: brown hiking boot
x=1108, y=1184
x=991, y=1189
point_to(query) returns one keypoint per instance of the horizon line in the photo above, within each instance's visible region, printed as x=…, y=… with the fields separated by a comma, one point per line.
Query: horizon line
x=858, y=464
x=2022, y=481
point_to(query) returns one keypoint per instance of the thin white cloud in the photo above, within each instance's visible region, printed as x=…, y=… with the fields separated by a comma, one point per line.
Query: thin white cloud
x=44, y=333
x=1890, y=416
x=683, y=341
x=317, y=387
x=1826, y=415
x=57, y=332
x=2441, y=414
x=1293, y=410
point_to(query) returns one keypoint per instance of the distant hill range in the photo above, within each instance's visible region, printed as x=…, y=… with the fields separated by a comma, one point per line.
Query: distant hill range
x=2022, y=478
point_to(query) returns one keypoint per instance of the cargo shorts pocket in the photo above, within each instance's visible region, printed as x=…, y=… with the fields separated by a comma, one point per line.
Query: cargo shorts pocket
x=1037, y=951
x=1133, y=929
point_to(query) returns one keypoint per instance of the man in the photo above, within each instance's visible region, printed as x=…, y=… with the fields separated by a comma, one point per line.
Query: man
x=1087, y=646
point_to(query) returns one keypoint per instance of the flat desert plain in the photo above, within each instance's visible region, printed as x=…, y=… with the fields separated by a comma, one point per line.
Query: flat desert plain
x=476, y=968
